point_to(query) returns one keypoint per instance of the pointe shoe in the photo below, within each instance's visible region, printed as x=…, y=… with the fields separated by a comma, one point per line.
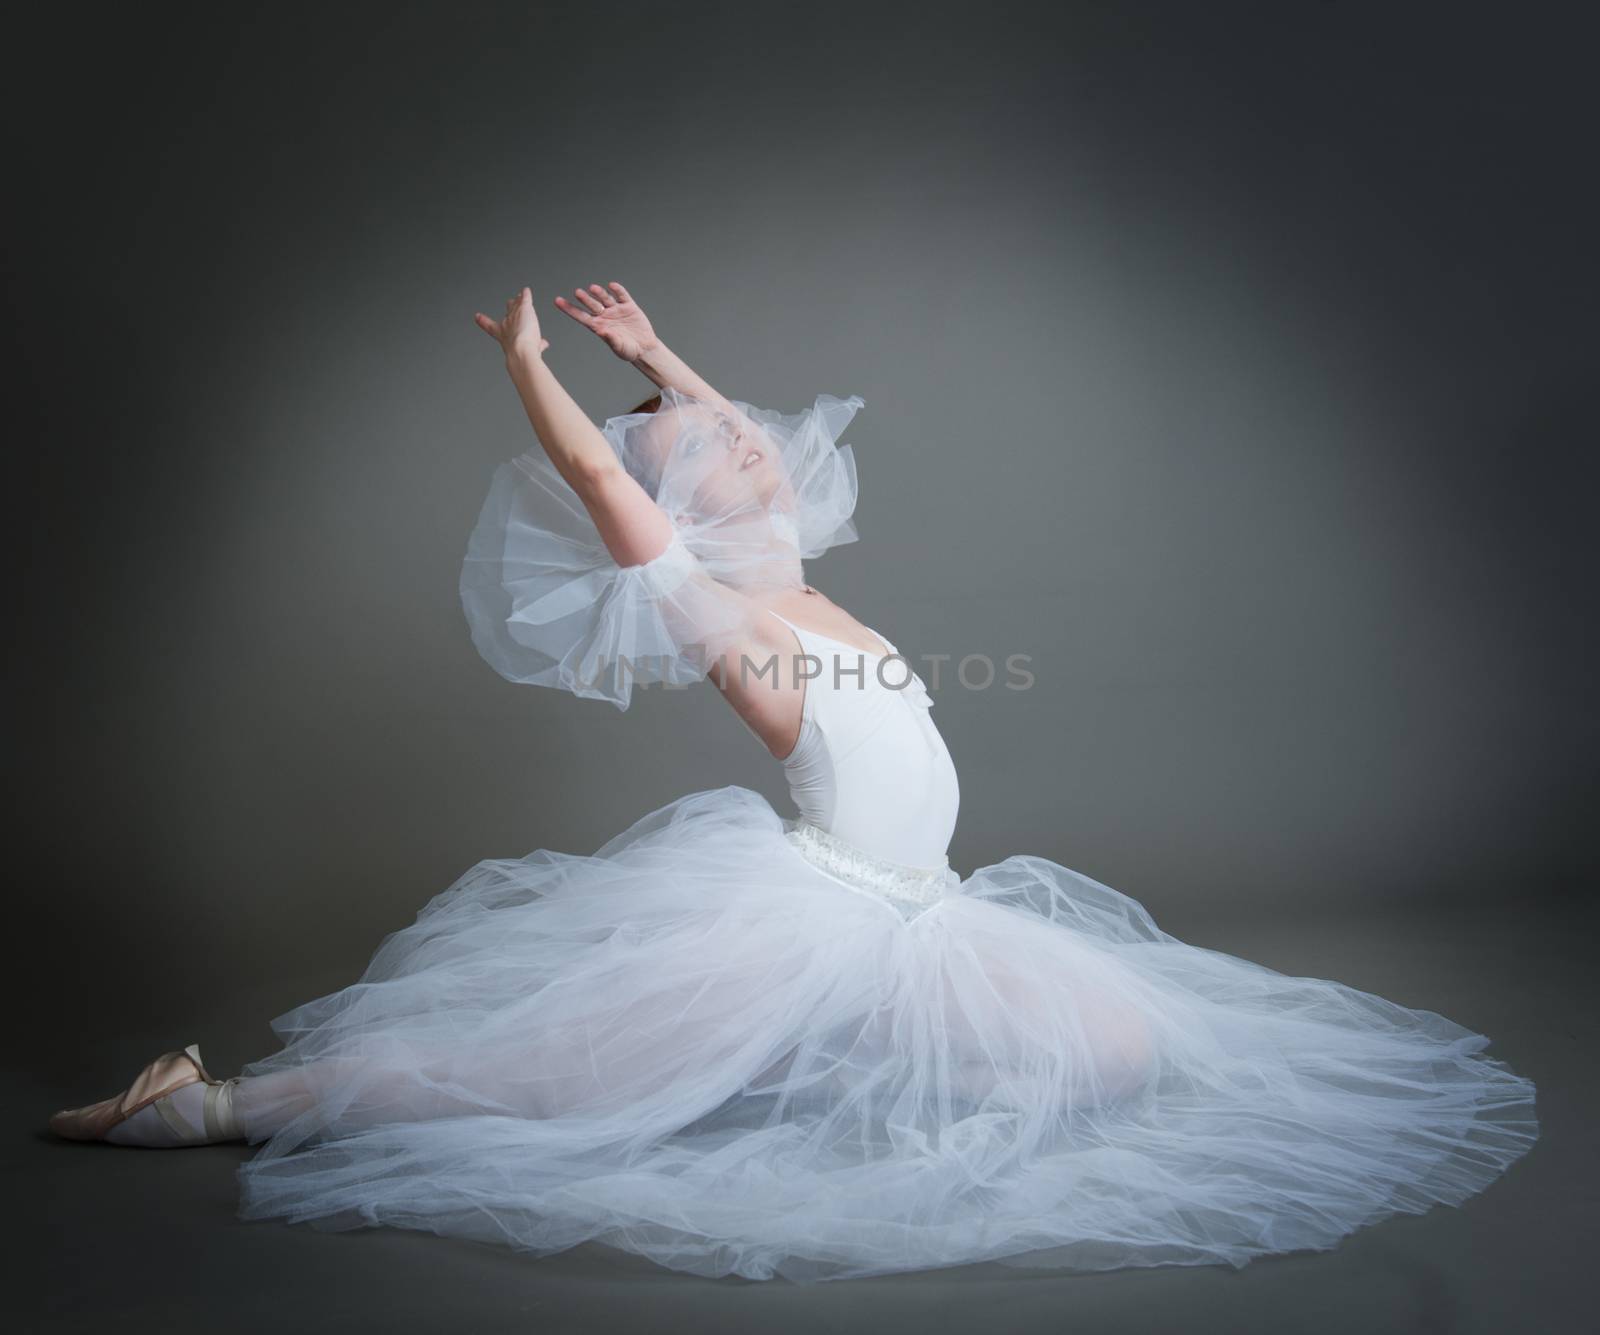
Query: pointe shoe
x=152, y=1088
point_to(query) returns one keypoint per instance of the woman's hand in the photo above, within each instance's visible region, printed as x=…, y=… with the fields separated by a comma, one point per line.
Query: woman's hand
x=615, y=317
x=519, y=332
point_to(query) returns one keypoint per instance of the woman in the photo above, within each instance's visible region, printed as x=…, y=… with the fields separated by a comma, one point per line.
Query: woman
x=737, y=1042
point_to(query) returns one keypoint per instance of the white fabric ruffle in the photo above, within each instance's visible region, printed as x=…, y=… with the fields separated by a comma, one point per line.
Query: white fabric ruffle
x=548, y=605
x=698, y=1045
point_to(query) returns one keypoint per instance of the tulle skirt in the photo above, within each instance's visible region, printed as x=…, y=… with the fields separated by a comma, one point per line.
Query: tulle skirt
x=697, y=1046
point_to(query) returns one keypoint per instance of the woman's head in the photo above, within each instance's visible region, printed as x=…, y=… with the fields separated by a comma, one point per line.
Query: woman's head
x=754, y=492
x=723, y=463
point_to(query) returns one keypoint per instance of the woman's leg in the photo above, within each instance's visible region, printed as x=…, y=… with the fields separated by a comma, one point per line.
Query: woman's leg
x=263, y=1104
x=1026, y=1027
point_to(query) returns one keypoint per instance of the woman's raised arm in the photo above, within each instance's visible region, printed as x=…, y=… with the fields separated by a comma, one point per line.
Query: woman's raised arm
x=613, y=316
x=632, y=526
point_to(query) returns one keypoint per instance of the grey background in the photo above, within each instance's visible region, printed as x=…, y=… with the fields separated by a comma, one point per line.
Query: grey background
x=1236, y=364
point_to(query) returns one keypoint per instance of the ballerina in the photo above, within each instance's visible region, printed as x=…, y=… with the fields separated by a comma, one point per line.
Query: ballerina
x=739, y=1042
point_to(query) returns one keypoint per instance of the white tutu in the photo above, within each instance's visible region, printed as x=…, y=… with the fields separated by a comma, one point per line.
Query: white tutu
x=737, y=1043
x=699, y=1046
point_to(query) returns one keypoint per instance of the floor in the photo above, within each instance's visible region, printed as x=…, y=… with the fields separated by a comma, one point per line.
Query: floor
x=138, y=1240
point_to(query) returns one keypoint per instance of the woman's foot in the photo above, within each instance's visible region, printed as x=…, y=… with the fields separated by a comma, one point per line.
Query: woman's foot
x=173, y=1102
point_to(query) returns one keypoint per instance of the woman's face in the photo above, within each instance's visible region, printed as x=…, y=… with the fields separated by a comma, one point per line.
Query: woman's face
x=730, y=459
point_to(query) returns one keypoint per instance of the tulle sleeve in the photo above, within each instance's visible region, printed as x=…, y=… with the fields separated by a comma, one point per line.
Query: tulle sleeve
x=548, y=605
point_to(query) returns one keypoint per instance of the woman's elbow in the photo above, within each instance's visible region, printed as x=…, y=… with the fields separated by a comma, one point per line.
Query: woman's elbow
x=595, y=473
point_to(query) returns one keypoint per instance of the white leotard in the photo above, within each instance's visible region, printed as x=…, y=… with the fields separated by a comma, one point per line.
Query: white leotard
x=870, y=767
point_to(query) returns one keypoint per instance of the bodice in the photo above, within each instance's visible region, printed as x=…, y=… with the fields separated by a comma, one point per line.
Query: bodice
x=870, y=776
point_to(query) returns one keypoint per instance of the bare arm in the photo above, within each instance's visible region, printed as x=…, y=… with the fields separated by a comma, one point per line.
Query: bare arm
x=664, y=367
x=612, y=314
x=632, y=526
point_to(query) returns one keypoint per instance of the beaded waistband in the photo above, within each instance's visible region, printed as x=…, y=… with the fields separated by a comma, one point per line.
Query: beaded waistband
x=907, y=889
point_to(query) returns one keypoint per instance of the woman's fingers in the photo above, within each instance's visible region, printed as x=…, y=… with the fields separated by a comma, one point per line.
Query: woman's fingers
x=486, y=324
x=582, y=317
x=594, y=306
x=604, y=296
x=622, y=292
